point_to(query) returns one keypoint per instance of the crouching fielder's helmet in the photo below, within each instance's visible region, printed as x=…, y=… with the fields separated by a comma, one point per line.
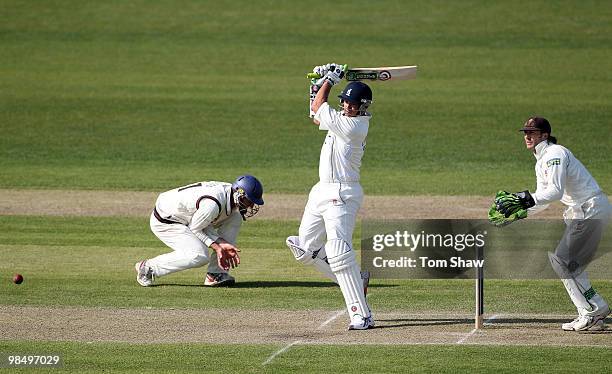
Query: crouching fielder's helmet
x=247, y=193
x=357, y=92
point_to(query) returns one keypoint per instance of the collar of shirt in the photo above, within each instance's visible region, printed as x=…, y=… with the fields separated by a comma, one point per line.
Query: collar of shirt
x=540, y=149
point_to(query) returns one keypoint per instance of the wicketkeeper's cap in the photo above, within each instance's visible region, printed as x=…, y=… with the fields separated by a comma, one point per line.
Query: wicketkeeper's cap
x=537, y=124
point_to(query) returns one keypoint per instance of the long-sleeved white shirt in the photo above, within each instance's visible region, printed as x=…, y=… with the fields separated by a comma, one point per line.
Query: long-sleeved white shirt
x=201, y=206
x=343, y=147
x=561, y=176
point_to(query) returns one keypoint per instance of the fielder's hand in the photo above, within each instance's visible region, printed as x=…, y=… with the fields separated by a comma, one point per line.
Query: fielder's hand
x=500, y=219
x=227, y=256
x=510, y=203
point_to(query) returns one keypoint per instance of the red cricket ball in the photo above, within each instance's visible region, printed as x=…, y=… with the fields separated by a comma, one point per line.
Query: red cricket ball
x=17, y=278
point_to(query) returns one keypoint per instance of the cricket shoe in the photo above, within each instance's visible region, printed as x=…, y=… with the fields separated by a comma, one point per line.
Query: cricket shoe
x=144, y=275
x=361, y=323
x=587, y=322
x=571, y=326
x=219, y=280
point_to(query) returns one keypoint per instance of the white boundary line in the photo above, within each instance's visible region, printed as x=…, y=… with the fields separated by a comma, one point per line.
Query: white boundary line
x=288, y=346
x=468, y=335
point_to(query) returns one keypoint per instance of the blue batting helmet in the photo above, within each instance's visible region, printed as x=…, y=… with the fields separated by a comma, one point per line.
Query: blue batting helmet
x=357, y=92
x=251, y=186
x=247, y=194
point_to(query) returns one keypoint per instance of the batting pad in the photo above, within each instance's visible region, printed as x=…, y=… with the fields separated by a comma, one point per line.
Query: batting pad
x=316, y=259
x=346, y=269
x=340, y=255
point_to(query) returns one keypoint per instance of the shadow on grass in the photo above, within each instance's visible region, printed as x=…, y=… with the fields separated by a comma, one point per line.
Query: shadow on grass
x=535, y=320
x=403, y=322
x=272, y=284
x=498, y=322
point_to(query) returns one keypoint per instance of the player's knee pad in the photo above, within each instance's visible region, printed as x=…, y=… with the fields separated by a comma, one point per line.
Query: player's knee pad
x=301, y=255
x=340, y=255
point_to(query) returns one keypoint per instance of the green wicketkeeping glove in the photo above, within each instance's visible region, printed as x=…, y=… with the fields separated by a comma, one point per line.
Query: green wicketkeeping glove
x=497, y=218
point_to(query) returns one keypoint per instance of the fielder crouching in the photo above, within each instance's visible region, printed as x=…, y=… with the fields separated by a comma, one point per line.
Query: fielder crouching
x=561, y=176
x=193, y=218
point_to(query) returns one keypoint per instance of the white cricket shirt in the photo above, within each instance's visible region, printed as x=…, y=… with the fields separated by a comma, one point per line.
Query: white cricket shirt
x=199, y=206
x=560, y=176
x=343, y=147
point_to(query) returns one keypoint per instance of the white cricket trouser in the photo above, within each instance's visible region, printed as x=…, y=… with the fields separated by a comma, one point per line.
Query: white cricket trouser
x=330, y=213
x=326, y=230
x=188, y=251
x=585, y=226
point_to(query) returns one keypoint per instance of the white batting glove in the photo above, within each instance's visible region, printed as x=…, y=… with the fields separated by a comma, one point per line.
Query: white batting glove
x=321, y=70
x=335, y=74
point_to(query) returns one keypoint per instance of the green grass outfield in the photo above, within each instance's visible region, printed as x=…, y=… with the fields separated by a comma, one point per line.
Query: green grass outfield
x=147, y=95
x=137, y=358
x=89, y=262
x=72, y=261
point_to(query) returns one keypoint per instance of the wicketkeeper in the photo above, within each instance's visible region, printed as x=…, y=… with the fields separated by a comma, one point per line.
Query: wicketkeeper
x=560, y=176
x=193, y=218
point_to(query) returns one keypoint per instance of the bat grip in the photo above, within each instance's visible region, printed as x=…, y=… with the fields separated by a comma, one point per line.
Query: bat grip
x=317, y=76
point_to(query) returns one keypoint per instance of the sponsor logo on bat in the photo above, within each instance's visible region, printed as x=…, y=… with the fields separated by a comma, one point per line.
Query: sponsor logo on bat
x=359, y=75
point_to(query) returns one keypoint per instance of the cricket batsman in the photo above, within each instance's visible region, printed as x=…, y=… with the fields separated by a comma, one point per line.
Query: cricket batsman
x=326, y=230
x=560, y=176
x=193, y=218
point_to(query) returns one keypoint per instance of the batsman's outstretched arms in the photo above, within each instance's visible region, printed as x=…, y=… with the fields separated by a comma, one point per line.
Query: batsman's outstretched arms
x=332, y=77
x=321, y=98
x=227, y=254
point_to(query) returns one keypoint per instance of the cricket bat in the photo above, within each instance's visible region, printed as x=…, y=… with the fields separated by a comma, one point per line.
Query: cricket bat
x=399, y=73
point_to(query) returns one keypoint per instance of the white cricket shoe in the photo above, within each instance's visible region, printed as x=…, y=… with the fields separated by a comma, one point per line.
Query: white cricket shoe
x=569, y=326
x=144, y=275
x=587, y=322
x=219, y=280
x=361, y=323
x=584, y=323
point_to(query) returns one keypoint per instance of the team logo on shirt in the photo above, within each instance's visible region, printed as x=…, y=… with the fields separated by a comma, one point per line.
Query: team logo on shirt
x=553, y=162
